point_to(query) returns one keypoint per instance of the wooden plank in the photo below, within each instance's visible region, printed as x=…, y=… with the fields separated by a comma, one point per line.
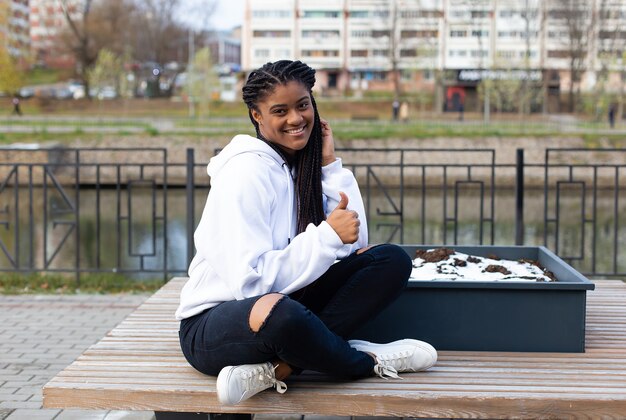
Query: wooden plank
x=139, y=366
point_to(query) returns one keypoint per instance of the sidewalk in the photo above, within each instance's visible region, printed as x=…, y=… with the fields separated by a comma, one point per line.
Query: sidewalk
x=40, y=336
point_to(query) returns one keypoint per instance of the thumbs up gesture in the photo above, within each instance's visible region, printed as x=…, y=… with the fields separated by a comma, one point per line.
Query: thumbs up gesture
x=345, y=222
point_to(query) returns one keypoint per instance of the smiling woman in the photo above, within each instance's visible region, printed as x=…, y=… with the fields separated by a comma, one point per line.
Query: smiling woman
x=283, y=274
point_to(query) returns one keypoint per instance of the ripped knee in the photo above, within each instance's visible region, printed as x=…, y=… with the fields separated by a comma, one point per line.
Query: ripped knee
x=262, y=309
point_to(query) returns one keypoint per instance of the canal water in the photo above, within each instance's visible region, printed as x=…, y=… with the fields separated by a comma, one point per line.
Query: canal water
x=144, y=232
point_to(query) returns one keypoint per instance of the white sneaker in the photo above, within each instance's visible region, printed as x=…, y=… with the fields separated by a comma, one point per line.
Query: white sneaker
x=406, y=355
x=238, y=383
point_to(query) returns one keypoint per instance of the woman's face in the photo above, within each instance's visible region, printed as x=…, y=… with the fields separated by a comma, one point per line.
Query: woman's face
x=286, y=117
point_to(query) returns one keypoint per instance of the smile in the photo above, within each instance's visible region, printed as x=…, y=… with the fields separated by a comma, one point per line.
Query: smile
x=296, y=131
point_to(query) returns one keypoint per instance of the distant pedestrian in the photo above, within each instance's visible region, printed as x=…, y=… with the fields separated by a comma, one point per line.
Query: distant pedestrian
x=404, y=111
x=612, y=112
x=461, y=110
x=395, y=109
x=16, y=106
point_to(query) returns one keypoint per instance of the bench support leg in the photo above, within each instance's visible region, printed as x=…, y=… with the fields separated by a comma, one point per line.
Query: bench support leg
x=166, y=415
x=229, y=416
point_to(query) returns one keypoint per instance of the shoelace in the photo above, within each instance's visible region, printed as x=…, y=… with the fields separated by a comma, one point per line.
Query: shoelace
x=399, y=361
x=389, y=364
x=386, y=372
x=263, y=376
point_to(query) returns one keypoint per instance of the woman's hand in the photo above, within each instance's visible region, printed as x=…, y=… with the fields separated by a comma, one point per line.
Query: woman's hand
x=328, y=144
x=345, y=222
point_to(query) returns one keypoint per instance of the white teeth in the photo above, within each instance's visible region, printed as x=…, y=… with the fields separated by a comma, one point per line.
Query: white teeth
x=296, y=131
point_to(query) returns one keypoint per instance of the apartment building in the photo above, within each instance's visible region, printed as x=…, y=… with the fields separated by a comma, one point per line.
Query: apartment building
x=446, y=46
x=14, y=29
x=47, y=26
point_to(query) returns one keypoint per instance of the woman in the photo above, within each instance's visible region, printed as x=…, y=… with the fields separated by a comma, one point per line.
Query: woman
x=283, y=274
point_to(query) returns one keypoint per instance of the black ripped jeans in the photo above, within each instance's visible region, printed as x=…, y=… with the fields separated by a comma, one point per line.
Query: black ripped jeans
x=307, y=329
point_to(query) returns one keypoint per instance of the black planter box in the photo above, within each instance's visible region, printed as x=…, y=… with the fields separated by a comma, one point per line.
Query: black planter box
x=490, y=316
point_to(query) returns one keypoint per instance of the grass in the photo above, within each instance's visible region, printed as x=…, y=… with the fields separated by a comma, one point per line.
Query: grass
x=40, y=76
x=101, y=283
x=81, y=119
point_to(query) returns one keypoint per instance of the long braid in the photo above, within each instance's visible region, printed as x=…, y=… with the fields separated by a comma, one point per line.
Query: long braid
x=308, y=161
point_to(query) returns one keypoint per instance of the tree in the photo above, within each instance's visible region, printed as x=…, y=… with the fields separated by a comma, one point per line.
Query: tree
x=394, y=14
x=533, y=26
x=78, y=38
x=610, y=50
x=578, y=20
x=161, y=34
x=107, y=71
x=202, y=83
x=10, y=77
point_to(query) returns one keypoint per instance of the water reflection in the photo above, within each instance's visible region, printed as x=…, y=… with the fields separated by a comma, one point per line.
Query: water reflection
x=116, y=234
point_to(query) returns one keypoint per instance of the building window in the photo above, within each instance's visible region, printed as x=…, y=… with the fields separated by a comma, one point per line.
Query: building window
x=480, y=14
x=271, y=14
x=323, y=34
x=271, y=34
x=571, y=14
x=361, y=34
x=558, y=34
x=406, y=34
x=507, y=14
x=359, y=14
x=262, y=53
x=612, y=35
x=529, y=54
x=380, y=34
x=458, y=34
x=506, y=54
x=409, y=14
x=284, y=53
x=480, y=33
x=320, y=53
x=358, y=53
x=457, y=53
x=558, y=54
x=479, y=53
x=376, y=75
x=380, y=53
x=321, y=14
x=408, y=52
x=423, y=14
x=458, y=14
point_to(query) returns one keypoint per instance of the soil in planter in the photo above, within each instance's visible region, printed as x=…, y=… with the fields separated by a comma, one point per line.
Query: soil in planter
x=447, y=264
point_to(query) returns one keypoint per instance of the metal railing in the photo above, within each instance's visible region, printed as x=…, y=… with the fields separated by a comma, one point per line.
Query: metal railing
x=134, y=211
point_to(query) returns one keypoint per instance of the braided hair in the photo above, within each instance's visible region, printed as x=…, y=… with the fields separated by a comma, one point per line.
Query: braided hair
x=308, y=161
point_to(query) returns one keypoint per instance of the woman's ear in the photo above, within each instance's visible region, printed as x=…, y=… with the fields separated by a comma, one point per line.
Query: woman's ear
x=256, y=115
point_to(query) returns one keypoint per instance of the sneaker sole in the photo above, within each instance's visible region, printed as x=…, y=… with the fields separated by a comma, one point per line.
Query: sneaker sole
x=222, y=382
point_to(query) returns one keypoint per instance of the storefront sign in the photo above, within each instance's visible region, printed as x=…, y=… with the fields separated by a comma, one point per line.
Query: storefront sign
x=478, y=75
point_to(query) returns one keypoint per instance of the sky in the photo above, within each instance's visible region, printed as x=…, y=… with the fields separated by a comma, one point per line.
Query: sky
x=227, y=14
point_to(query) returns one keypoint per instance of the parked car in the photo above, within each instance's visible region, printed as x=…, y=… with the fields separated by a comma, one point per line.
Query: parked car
x=26, y=92
x=103, y=92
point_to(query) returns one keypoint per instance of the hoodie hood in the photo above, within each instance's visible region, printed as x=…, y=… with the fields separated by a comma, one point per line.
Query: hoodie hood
x=242, y=143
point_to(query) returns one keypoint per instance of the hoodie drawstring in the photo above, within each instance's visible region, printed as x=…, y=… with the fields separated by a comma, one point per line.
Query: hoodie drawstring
x=290, y=184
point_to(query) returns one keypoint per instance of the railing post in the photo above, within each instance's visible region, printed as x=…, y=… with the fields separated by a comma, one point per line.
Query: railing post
x=190, y=187
x=519, y=197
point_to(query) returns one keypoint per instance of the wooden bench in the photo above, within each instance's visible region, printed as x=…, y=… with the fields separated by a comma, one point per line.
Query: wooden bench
x=139, y=366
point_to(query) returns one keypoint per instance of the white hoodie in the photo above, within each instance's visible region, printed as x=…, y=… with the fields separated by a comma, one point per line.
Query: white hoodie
x=246, y=243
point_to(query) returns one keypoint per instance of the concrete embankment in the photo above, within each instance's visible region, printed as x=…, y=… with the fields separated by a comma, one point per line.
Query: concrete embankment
x=148, y=155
